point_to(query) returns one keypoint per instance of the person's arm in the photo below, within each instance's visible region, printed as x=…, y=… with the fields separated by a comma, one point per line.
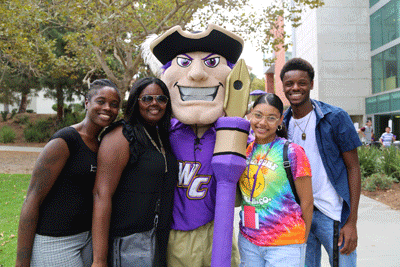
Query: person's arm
x=47, y=168
x=112, y=158
x=361, y=131
x=304, y=191
x=381, y=141
x=348, y=233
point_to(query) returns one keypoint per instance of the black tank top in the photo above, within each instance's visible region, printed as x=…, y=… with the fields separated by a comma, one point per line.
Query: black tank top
x=67, y=209
x=134, y=200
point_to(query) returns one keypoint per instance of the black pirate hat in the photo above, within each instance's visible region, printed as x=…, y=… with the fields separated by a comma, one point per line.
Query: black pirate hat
x=215, y=39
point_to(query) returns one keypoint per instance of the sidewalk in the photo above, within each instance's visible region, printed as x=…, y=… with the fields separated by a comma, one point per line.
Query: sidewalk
x=21, y=148
x=378, y=235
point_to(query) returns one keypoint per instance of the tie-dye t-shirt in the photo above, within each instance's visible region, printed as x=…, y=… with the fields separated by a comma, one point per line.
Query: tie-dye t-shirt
x=279, y=220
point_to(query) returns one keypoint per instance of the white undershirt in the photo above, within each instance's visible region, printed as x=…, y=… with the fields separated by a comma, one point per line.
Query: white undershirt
x=326, y=199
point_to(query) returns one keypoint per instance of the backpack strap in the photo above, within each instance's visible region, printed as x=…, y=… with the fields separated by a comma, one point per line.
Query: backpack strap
x=286, y=165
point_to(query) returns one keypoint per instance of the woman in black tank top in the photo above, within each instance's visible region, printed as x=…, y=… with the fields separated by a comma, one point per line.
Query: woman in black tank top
x=135, y=168
x=56, y=214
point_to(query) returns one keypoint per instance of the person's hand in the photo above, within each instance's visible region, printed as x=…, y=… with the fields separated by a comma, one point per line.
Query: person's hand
x=348, y=236
x=100, y=264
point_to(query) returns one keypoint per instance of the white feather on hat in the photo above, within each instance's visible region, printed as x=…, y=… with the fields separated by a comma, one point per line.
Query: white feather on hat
x=148, y=56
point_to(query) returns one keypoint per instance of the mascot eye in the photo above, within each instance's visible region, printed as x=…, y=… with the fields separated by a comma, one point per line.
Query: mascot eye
x=183, y=62
x=212, y=62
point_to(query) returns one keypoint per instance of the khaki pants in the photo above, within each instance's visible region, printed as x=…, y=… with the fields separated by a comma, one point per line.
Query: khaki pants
x=193, y=248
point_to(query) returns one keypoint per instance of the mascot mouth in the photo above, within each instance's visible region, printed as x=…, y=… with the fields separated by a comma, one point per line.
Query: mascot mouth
x=198, y=93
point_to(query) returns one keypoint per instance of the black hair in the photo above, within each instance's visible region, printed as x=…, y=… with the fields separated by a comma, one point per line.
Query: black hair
x=132, y=114
x=276, y=102
x=100, y=84
x=298, y=64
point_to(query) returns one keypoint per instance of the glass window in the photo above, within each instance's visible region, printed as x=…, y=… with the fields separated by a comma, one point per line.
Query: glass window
x=376, y=29
x=377, y=73
x=390, y=22
x=390, y=69
x=385, y=24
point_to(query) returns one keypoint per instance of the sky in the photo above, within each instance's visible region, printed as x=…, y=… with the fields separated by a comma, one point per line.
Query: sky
x=251, y=56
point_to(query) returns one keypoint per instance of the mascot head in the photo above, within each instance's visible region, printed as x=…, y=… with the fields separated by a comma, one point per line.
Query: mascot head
x=195, y=67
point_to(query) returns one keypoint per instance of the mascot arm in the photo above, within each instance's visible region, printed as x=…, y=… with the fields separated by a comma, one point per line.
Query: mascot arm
x=229, y=161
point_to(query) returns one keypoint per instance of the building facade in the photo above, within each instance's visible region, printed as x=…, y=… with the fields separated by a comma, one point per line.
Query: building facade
x=335, y=39
x=383, y=102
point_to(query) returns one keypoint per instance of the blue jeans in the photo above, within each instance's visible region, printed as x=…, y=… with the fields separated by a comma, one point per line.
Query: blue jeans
x=321, y=233
x=277, y=256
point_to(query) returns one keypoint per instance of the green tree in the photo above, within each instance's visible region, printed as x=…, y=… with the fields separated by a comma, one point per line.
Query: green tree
x=107, y=34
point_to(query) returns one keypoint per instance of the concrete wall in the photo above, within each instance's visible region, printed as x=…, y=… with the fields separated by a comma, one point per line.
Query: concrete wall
x=41, y=104
x=335, y=39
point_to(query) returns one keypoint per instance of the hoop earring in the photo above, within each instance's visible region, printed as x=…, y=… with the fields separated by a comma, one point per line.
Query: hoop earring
x=280, y=127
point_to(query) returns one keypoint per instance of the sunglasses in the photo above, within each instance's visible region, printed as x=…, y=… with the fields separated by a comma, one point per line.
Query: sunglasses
x=148, y=99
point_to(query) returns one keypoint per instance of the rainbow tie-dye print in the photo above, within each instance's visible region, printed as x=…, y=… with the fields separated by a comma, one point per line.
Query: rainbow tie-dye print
x=279, y=220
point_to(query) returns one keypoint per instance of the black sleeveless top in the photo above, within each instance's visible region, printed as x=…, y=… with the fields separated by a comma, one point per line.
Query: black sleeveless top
x=134, y=200
x=67, y=209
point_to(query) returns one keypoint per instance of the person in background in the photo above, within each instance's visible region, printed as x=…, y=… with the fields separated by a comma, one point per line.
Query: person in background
x=56, y=217
x=387, y=138
x=367, y=132
x=330, y=141
x=135, y=162
x=273, y=227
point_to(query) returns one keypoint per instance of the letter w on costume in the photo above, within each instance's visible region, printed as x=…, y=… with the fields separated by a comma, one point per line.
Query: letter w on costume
x=189, y=179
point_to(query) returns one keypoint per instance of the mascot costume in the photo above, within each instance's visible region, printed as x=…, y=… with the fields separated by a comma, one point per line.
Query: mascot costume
x=209, y=90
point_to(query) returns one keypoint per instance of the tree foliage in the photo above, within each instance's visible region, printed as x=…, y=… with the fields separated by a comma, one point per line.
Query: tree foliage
x=106, y=34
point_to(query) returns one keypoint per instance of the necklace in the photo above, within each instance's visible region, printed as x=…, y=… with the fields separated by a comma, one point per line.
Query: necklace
x=259, y=166
x=303, y=135
x=162, y=150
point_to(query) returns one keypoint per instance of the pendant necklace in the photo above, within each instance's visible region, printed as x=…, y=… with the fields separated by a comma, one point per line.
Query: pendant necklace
x=303, y=135
x=162, y=150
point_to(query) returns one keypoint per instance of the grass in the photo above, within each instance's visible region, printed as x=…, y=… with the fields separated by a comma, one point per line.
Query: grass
x=12, y=193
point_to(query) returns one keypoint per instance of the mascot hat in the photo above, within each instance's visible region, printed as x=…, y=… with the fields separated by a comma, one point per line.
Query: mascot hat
x=215, y=39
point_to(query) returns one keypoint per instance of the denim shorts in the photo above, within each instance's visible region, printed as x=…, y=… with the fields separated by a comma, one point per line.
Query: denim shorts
x=278, y=256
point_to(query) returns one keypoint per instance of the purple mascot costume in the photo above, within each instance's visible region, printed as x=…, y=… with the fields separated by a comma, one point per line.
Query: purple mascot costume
x=209, y=96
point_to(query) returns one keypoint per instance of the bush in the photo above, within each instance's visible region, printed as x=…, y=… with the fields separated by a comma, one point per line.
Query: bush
x=369, y=160
x=7, y=135
x=71, y=119
x=391, y=162
x=377, y=181
x=39, y=132
x=4, y=115
x=29, y=111
x=13, y=113
x=22, y=119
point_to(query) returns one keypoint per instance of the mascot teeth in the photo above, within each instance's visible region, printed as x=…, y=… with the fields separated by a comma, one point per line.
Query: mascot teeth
x=194, y=93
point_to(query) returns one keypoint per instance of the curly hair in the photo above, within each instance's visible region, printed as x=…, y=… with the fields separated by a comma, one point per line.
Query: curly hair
x=298, y=64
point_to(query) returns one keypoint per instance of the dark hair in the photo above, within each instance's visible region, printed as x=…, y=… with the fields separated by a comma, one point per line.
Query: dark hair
x=132, y=114
x=276, y=102
x=298, y=64
x=100, y=84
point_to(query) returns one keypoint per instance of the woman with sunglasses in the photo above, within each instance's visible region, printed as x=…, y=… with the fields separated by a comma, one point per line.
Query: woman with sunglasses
x=273, y=227
x=135, y=163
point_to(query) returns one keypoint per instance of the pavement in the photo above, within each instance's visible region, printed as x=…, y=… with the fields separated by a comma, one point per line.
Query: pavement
x=378, y=229
x=21, y=148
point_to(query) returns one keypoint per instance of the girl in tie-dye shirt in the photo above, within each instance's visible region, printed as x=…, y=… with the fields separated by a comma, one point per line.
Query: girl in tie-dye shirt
x=273, y=226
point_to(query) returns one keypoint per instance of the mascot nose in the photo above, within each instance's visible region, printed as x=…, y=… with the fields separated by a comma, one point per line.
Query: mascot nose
x=197, y=72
